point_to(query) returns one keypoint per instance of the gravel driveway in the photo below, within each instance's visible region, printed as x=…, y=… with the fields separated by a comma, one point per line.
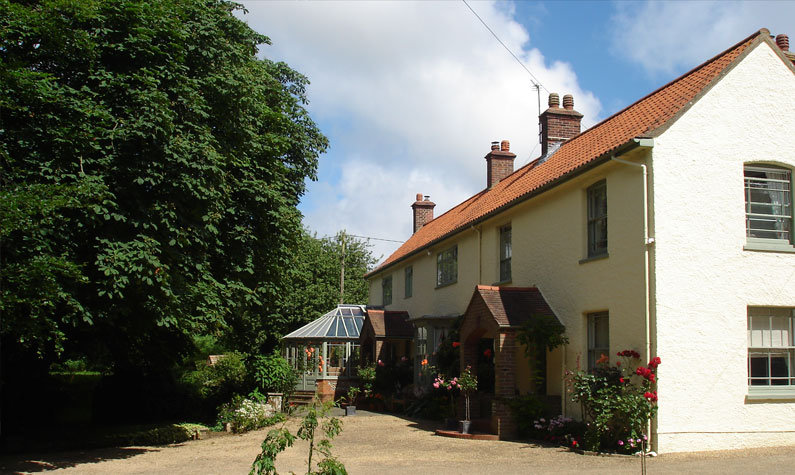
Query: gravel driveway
x=385, y=444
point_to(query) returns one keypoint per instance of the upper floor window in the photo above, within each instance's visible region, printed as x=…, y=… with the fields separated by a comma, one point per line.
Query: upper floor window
x=386, y=290
x=505, y=253
x=409, y=277
x=771, y=346
x=447, y=266
x=597, y=219
x=768, y=203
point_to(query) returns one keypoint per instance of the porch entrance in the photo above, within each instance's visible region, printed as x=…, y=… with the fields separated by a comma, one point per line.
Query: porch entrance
x=490, y=347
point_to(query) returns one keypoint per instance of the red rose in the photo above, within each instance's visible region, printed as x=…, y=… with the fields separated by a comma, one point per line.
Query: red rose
x=620, y=380
x=456, y=344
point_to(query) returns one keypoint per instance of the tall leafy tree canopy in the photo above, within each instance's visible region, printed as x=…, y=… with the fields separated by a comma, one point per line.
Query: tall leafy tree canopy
x=151, y=168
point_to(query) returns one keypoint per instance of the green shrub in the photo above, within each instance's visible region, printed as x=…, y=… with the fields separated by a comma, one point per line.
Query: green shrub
x=159, y=435
x=527, y=409
x=617, y=402
x=226, y=378
x=273, y=373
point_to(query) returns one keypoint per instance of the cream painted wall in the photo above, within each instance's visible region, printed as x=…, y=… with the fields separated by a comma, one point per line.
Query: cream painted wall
x=704, y=279
x=548, y=241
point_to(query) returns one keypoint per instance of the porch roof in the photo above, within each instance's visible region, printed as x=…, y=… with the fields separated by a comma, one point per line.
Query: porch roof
x=513, y=306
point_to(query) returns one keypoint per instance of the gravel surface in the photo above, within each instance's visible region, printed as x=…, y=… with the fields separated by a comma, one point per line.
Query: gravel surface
x=384, y=444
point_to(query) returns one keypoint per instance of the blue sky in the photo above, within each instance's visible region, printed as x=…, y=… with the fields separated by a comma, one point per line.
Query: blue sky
x=410, y=94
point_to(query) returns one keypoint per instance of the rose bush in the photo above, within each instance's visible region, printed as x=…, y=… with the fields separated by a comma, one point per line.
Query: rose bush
x=616, y=406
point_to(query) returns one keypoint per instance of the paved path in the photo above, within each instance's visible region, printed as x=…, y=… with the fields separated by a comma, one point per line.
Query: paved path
x=383, y=444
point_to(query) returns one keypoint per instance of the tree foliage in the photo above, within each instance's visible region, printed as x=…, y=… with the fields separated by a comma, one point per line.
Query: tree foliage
x=310, y=288
x=151, y=168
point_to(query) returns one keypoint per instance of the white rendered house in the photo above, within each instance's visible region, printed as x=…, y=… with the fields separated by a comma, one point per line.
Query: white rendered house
x=666, y=229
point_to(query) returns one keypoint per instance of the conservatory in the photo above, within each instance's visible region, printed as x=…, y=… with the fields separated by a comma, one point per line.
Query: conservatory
x=326, y=351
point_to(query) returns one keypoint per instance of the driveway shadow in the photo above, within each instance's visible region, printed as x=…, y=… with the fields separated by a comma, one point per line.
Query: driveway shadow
x=39, y=462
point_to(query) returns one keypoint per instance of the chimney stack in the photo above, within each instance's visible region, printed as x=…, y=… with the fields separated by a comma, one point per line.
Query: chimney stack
x=782, y=41
x=499, y=162
x=558, y=125
x=423, y=211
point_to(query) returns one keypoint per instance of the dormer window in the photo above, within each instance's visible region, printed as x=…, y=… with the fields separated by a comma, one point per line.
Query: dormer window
x=768, y=204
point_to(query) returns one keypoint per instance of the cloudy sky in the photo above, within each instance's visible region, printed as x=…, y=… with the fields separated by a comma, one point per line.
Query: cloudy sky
x=410, y=94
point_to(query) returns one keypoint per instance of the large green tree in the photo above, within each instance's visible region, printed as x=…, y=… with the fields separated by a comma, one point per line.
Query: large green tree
x=151, y=168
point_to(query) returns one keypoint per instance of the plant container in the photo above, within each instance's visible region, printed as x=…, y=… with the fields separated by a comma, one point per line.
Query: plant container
x=465, y=425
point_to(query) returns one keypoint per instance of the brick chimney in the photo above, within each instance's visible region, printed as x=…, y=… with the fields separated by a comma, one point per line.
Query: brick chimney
x=782, y=41
x=423, y=211
x=499, y=162
x=558, y=125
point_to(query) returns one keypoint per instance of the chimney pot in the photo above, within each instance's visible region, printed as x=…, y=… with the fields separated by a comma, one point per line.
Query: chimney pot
x=419, y=196
x=505, y=146
x=782, y=41
x=495, y=145
x=554, y=100
x=568, y=102
x=427, y=198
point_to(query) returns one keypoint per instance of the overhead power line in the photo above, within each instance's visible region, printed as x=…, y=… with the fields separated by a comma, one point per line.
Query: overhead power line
x=535, y=81
x=374, y=238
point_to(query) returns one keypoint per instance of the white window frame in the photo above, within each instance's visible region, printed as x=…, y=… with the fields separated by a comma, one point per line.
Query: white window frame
x=767, y=341
x=780, y=207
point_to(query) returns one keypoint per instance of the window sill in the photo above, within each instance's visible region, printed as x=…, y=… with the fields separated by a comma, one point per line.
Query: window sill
x=768, y=247
x=447, y=284
x=759, y=393
x=502, y=282
x=594, y=258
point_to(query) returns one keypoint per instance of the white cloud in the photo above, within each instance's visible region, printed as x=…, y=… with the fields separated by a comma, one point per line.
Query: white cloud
x=410, y=94
x=670, y=37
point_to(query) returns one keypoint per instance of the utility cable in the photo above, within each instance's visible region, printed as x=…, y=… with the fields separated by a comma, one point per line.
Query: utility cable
x=535, y=81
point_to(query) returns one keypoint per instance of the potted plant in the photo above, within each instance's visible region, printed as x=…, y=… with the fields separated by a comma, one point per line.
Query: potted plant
x=468, y=383
x=350, y=401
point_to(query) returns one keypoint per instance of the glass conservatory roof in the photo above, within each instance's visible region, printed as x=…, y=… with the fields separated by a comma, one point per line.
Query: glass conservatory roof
x=344, y=322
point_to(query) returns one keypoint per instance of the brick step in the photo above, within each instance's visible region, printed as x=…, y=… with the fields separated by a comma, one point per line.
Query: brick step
x=301, y=398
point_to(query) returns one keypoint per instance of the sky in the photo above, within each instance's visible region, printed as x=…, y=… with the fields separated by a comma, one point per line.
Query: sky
x=411, y=94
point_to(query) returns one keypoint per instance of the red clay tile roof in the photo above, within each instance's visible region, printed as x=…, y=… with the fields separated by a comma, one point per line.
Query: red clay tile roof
x=390, y=324
x=513, y=306
x=648, y=117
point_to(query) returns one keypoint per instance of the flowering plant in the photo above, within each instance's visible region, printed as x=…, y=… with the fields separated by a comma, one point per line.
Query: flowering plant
x=451, y=385
x=467, y=382
x=617, y=403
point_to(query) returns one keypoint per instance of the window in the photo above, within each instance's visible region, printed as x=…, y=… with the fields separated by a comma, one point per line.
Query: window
x=409, y=281
x=505, y=253
x=598, y=337
x=771, y=347
x=597, y=219
x=768, y=203
x=386, y=290
x=422, y=342
x=447, y=266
